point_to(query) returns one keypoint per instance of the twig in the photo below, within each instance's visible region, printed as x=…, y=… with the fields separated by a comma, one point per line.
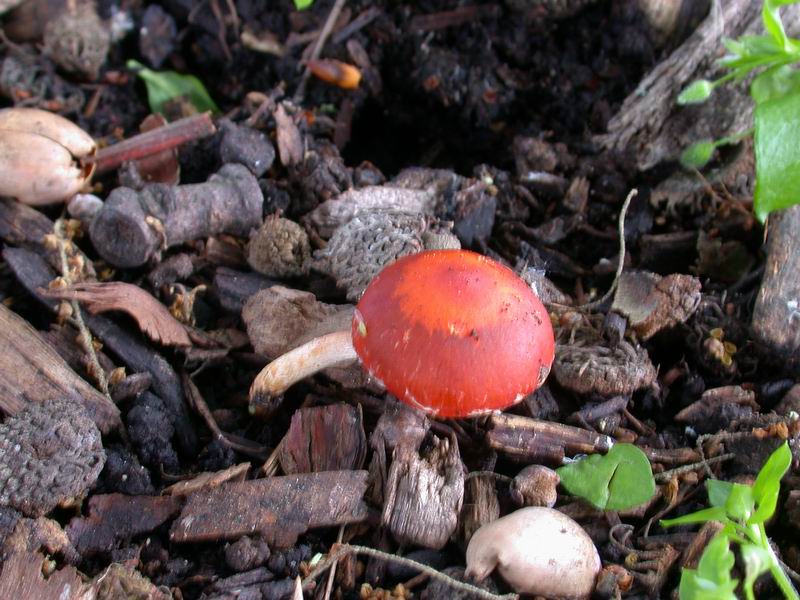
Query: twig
x=86, y=337
x=332, y=572
x=153, y=141
x=620, y=263
x=667, y=475
x=333, y=16
x=199, y=403
x=340, y=550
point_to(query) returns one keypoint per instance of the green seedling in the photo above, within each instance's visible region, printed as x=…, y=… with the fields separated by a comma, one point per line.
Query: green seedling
x=743, y=510
x=618, y=480
x=775, y=90
x=167, y=86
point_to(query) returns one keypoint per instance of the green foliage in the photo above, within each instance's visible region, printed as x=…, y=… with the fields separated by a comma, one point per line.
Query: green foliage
x=166, y=86
x=619, y=480
x=775, y=90
x=743, y=510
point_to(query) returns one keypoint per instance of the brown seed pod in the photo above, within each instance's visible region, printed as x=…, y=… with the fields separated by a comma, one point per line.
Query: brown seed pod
x=335, y=72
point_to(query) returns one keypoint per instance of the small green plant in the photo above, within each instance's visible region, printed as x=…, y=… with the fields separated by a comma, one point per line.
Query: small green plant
x=775, y=91
x=618, y=480
x=743, y=510
x=165, y=86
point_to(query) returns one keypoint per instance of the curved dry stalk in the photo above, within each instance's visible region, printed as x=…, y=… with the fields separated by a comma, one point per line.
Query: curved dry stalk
x=320, y=353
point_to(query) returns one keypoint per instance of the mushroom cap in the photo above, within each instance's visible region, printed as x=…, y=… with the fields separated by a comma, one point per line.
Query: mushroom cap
x=453, y=333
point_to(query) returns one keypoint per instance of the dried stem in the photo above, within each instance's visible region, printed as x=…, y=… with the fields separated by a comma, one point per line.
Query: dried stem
x=340, y=550
x=320, y=353
x=86, y=337
x=333, y=16
x=153, y=141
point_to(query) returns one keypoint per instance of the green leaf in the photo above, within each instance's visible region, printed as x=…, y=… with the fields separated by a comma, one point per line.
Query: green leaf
x=166, y=86
x=718, y=491
x=712, y=578
x=773, y=24
x=697, y=92
x=740, y=503
x=618, y=480
x=698, y=154
x=756, y=562
x=775, y=82
x=715, y=513
x=302, y=4
x=777, y=129
x=766, y=488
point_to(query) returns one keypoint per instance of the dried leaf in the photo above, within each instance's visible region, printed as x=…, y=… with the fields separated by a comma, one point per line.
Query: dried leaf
x=290, y=141
x=208, y=480
x=152, y=317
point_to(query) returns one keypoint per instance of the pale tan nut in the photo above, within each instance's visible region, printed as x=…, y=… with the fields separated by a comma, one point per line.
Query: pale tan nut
x=40, y=156
x=538, y=551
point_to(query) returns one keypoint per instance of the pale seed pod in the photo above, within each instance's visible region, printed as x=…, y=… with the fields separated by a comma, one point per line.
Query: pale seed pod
x=40, y=156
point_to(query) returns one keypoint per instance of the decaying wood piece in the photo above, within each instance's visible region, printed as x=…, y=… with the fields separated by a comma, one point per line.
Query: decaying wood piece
x=652, y=303
x=424, y=494
x=650, y=128
x=531, y=440
x=113, y=519
x=278, y=508
x=776, y=316
x=33, y=273
x=22, y=225
x=324, y=438
x=481, y=506
x=32, y=372
x=21, y=576
x=152, y=317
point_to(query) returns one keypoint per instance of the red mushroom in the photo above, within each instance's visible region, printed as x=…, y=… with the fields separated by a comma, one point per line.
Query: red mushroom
x=450, y=332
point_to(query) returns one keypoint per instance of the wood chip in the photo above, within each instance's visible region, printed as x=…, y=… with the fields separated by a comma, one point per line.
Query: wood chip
x=652, y=303
x=324, y=438
x=113, y=519
x=31, y=372
x=424, y=495
x=278, y=508
x=152, y=317
x=21, y=574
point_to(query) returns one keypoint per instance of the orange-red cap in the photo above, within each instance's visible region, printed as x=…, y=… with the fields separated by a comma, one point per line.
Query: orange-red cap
x=453, y=333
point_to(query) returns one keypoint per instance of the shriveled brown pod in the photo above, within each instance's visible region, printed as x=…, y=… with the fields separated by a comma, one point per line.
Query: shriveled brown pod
x=535, y=485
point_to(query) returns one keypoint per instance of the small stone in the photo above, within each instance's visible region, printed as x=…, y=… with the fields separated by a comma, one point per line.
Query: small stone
x=280, y=248
x=50, y=455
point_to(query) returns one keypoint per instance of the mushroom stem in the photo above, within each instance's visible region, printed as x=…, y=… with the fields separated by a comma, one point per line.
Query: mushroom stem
x=320, y=353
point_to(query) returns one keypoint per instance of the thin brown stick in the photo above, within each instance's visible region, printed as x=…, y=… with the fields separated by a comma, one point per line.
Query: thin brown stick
x=153, y=141
x=333, y=16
